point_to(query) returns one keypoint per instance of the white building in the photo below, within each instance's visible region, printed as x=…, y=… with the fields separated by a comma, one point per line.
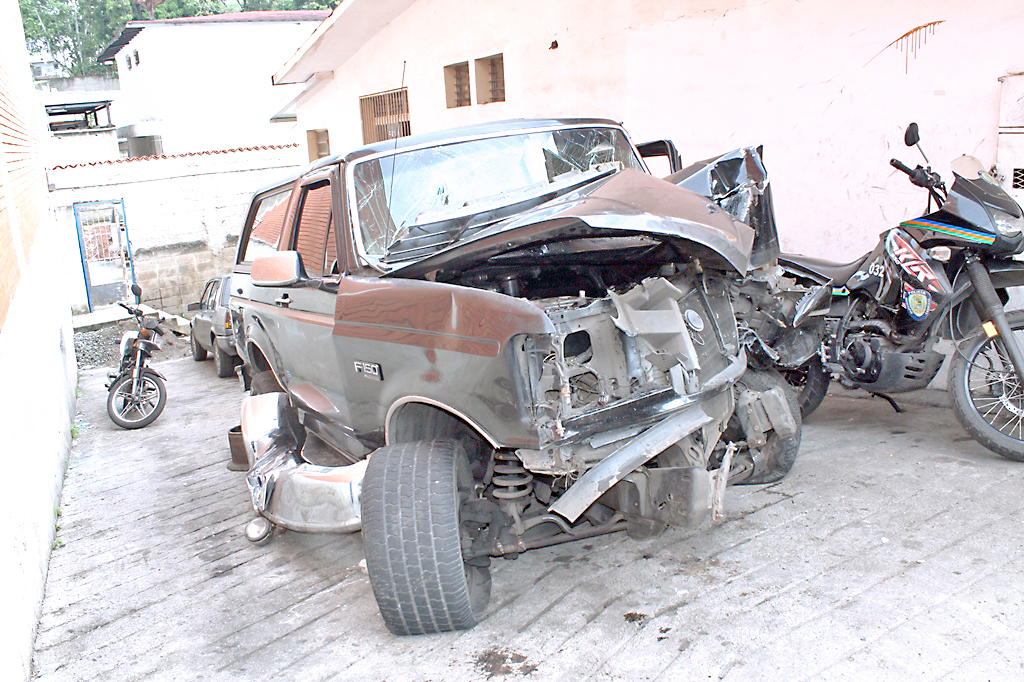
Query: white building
x=828, y=87
x=159, y=197
x=203, y=83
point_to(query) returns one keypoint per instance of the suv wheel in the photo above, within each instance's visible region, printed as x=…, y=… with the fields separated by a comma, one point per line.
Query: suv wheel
x=225, y=363
x=198, y=352
x=411, y=501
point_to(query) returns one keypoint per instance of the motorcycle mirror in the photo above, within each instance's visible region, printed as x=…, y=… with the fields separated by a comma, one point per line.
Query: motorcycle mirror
x=912, y=136
x=911, y=139
x=137, y=290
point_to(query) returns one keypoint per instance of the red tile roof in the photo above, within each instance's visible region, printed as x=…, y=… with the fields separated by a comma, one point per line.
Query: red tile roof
x=177, y=156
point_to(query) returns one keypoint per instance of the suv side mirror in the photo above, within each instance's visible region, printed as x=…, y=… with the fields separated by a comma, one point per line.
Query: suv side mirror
x=192, y=307
x=912, y=136
x=280, y=269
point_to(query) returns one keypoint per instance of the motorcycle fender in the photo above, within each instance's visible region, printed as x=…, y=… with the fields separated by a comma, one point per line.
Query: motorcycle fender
x=1006, y=273
x=113, y=376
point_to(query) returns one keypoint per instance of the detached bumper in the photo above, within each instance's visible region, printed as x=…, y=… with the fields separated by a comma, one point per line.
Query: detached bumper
x=286, y=489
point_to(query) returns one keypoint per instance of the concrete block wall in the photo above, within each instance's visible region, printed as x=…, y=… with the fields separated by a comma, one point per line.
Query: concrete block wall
x=172, y=277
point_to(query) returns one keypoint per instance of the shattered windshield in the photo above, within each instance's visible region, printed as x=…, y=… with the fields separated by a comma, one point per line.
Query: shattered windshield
x=413, y=203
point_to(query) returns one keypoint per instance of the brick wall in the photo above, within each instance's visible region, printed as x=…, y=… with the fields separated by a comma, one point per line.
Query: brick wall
x=37, y=363
x=22, y=178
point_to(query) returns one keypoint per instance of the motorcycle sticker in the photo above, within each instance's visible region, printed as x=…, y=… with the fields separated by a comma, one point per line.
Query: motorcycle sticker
x=950, y=231
x=906, y=255
x=918, y=303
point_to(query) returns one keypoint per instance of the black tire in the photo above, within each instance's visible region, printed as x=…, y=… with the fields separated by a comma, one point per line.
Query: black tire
x=129, y=413
x=989, y=401
x=411, y=500
x=810, y=383
x=781, y=452
x=224, y=363
x=198, y=352
x=264, y=382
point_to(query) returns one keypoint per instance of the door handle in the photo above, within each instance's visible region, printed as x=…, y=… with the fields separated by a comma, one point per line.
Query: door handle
x=284, y=301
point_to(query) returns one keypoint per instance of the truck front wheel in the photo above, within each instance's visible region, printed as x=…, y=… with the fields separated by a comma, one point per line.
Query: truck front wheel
x=411, y=508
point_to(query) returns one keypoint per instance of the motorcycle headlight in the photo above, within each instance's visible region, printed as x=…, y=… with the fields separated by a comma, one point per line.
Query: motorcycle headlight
x=1008, y=226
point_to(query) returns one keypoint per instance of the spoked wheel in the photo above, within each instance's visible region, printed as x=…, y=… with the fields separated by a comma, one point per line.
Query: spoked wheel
x=810, y=383
x=135, y=411
x=988, y=397
x=411, y=507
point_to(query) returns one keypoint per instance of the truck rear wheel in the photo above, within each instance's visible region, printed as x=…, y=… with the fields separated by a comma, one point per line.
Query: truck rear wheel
x=411, y=503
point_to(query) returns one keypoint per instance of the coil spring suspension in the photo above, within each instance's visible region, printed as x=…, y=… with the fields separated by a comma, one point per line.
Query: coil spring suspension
x=511, y=479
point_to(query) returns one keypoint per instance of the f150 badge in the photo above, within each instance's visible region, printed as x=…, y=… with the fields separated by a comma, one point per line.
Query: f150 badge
x=370, y=370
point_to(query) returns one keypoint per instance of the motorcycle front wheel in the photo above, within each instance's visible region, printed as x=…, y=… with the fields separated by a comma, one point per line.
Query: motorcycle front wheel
x=134, y=412
x=988, y=396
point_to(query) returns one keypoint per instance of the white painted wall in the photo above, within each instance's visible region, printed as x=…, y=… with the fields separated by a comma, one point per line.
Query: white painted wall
x=207, y=85
x=818, y=82
x=39, y=375
x=174, y=201
x=81, y=146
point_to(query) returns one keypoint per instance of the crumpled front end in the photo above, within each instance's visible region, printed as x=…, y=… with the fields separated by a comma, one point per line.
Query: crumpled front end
x=286, y=489
x=628, y=377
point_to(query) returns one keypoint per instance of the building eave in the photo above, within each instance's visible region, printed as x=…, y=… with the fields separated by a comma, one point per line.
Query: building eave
x=133, y=28
x=340, y=36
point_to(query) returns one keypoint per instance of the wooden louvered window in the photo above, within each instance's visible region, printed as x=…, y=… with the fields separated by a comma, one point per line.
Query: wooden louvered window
x=385, y=115
x=314, y=235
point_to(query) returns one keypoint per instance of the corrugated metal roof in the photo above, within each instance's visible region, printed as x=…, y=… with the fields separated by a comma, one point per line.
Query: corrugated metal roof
x=113, y=48
x=133, y=28
x=76, y=108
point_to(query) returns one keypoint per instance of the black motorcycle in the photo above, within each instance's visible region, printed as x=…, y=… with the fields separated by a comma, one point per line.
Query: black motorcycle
x=136, y=394
x=942, y=275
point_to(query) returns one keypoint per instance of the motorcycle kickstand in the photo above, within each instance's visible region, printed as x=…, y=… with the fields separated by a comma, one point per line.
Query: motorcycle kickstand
x=888, y=399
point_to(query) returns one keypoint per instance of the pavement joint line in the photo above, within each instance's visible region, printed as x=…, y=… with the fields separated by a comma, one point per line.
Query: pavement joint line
x=259, y=649
x=118, y=641
x=283, y=632
x=916, y=612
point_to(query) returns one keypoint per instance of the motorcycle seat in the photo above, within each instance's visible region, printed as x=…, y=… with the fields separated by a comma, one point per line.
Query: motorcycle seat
x=838, y=273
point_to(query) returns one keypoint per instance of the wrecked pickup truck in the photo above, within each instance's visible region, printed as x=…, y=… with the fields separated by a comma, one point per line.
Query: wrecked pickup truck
x=490, y=340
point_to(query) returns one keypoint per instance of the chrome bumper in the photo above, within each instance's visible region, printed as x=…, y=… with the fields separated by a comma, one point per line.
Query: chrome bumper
x=286, y=489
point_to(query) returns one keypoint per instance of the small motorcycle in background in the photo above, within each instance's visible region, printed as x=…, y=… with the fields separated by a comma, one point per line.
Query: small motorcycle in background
x=136, y=393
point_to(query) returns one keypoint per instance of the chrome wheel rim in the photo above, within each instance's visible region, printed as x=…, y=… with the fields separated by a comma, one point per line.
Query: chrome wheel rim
x=134, y=409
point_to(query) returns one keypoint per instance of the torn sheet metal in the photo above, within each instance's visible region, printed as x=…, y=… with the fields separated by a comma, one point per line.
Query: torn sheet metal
x=738, y=182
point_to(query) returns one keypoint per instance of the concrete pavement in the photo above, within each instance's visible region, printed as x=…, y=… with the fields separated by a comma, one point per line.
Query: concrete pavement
x=893, y=551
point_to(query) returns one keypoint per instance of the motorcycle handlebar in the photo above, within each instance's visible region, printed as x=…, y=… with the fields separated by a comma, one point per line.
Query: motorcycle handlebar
x=899, y=165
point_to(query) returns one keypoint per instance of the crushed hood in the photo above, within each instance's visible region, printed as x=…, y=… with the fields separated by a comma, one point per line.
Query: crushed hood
x=628, y=203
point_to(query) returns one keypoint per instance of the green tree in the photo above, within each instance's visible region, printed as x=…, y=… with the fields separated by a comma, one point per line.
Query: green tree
x=74, y=32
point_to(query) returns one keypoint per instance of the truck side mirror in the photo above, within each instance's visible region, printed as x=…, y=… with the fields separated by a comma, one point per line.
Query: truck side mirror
x=280, y=269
